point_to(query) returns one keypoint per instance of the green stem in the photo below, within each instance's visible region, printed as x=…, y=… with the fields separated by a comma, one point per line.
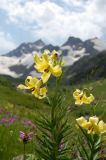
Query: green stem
x=52, y=115
x=92, y=153
x=24, y=156
x=53, y=122
x=54, y=151
x=57, y=86
x=93, y=110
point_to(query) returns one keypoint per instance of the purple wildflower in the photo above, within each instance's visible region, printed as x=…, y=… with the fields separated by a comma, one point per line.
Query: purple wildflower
x=4, y=120
x=12, y=120
x=28, y=123
x=8, y=121
x=8, y=113
x=26, y=136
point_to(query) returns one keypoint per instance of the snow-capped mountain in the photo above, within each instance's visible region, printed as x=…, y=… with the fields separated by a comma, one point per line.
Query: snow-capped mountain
x=19, y=62
x=26, y=48
x=74, y=49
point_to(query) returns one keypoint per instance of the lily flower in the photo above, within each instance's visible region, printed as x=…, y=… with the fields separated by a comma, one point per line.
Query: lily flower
x=81, y=97
x=35, y=85
x=93, y=125
x=47, y=65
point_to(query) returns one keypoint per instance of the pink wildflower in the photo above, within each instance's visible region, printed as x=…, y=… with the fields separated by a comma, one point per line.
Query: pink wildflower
x=26, y=136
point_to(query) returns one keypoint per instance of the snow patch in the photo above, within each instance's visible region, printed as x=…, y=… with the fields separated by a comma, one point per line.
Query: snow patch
x=27, y=60
x=35, y=74
x=5, y=63
x=72, y=55
x=98, y=44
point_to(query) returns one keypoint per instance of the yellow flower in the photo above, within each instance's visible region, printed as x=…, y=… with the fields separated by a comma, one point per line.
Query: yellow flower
x=87, y=100
x=35, y=85
x=81, y=97
x=93, y=125
x=54, y=55
x=81, y=121
x=78, y=97
x=102, y=126
x=47, y=65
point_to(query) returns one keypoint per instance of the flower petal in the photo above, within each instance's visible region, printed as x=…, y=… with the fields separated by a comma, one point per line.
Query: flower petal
x=102, y=127
x=94, y=120
x=87, y=100
x=78, y=102
x=56, y=71
x=77, y=93
x=54, y=55
x=21, y=86
x=45, y=56
x=39, y=83
x=43, y=91
x=31, y=82
x=37, y=58
x=81, y=120
x=45, y=76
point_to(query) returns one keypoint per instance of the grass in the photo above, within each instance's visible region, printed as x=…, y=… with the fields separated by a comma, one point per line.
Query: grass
x=25, y=107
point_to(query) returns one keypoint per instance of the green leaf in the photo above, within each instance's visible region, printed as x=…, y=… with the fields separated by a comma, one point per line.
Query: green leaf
x=83, y=148
x=88, y=137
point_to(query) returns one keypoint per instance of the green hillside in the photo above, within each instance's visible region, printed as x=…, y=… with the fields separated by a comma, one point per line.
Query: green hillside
x=25, y=107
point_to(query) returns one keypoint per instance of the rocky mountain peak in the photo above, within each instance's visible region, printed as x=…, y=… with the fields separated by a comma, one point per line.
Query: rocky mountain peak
x=26, y=48
x=19, y=62
x=39, y=42
x=73, y=41
x=50, y=47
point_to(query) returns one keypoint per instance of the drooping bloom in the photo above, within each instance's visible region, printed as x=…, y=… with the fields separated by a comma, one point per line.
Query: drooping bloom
x=36, y=86
x=93, y=125
x=81, y=97
x=48, y=65
x=26, y=136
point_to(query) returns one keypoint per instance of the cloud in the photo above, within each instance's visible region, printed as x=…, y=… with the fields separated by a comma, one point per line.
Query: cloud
x=55, y=20
x=96, y=12
x=6, y=42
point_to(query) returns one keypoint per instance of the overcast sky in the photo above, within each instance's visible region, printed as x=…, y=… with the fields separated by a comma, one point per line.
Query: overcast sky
x=53, y=21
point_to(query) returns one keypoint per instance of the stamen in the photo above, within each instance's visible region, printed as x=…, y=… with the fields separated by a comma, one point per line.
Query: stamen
x=28, y=80
x=47, y=69
x=33, y=88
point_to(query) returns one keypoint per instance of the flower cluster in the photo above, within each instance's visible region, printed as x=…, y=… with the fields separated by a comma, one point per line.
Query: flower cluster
x=6, y=117
x=47, y=65
x=36, y=87
x=81, y=97
x=8, y=121
x=28, y=123
x=93, y=125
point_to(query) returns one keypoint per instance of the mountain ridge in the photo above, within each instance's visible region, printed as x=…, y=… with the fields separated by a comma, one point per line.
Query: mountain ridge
x=19, y=62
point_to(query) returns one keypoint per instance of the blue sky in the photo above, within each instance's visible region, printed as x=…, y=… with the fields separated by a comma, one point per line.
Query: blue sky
x=53, y=21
